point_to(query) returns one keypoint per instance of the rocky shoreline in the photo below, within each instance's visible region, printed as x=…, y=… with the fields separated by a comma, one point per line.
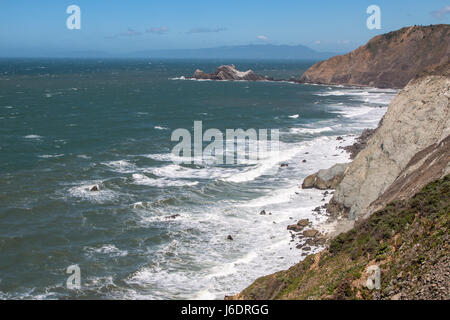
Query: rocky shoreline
x=384, y=204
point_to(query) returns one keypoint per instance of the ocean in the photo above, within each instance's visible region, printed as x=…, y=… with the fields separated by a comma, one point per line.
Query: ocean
x=158, y=229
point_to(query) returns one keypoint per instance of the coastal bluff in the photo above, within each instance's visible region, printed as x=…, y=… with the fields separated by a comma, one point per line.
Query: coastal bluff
x=409, y=149
x=397, y=194
x=389, y=60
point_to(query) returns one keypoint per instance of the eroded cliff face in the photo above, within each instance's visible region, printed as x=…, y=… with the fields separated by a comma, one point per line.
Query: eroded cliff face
x=387, y=61
x=410, y=148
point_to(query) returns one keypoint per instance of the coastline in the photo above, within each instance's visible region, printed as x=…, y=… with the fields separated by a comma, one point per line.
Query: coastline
x=331, y=226
x=396, y=194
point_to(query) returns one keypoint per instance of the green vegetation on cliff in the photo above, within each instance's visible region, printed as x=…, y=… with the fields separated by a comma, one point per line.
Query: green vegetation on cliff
x=408, y=240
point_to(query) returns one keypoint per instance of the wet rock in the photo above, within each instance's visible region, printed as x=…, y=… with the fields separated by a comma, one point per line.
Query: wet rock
x=174, y=216
x=360, y=144
x=304, y=161
x=295, y=228
x=306, y=248
x=94, y=188
x=284, y=165
x=311, y=233
x=263, y=213
x=230, y=238
x=303, y=222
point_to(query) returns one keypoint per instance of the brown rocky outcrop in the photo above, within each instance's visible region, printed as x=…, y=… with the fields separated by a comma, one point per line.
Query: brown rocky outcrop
x=387, y=61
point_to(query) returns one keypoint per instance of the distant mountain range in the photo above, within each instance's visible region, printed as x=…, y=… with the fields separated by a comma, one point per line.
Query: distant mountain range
x=267, y=51
x=254, y=52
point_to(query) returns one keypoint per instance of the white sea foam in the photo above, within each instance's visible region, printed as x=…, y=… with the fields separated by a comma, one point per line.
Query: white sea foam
x=141, y=179
x=177, y=171
x=161, y=128
x=49, y=156
x=295, y=116
x=367, y=95
x=108, y=249
x=33, y=136
x=352, y=112
x=121, y=166
x=83, y=192
x=310, y=130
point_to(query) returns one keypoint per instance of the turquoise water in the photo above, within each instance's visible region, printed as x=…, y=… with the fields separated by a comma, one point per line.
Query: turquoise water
x=66, y=125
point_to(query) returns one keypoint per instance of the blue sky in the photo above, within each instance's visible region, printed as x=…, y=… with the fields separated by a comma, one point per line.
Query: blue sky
x=117, y=26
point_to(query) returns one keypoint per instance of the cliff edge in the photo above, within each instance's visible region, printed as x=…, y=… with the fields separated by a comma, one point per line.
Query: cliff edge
x=410, y=148
x=387, y=61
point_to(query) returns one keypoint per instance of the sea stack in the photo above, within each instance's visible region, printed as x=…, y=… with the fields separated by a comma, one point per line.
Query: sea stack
x=228, y=72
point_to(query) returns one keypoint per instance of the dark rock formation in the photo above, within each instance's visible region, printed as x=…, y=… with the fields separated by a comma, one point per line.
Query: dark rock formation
x=387, y=61
x=229, y=73
x=360, y=143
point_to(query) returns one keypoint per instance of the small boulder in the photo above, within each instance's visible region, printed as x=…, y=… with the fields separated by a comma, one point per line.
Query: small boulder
x=230, y=238
x=303, y=222
x=94, y=188
x=295, y=228
x=326, y=178
x=311, y=233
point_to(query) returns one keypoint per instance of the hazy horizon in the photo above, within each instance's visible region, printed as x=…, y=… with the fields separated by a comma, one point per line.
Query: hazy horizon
x=30, y=28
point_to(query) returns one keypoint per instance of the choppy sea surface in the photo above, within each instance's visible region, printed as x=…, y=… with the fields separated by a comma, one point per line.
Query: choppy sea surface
x=66, y=125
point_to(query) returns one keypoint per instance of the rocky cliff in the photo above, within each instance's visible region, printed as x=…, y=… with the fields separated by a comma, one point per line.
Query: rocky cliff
x=410, y=148
x=387, y=61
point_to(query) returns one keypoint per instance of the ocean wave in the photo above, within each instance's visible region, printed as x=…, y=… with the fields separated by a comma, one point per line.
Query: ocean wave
x=121, y=166
x=108, y=249
x=177, y=171
x=49, y=156
x=369, y=95
x=295, y=116
x=33, y=136
x=141, y=179
x=310, y=130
